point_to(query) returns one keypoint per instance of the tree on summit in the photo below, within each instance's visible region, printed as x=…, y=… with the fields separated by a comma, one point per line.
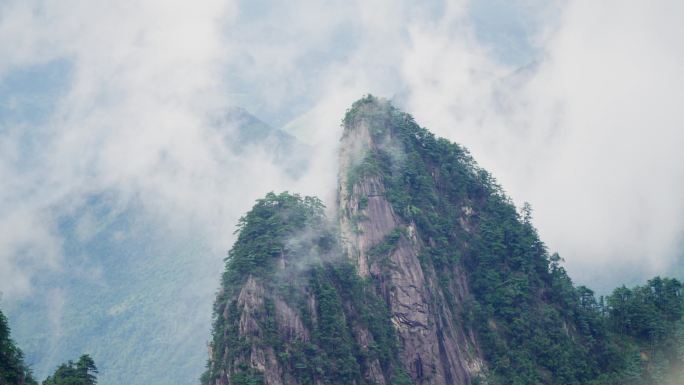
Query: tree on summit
x=83, y=372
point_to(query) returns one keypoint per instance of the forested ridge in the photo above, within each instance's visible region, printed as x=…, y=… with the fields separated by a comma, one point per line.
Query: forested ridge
x=633, y=336
x=535, y=326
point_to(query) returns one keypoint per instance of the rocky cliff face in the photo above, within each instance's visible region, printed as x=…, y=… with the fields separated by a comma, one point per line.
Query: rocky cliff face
x=292, y=309
x=427, y=340
x=428, y=275
x=436, y=347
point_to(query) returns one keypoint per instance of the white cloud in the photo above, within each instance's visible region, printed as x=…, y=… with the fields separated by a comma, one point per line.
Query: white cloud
x=29, y=247
x=610, y=189
x=588, y=134
x=146, y=77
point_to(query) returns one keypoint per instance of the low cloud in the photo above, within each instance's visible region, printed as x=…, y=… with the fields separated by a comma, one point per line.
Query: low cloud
x=588, y=134
x=587, y=131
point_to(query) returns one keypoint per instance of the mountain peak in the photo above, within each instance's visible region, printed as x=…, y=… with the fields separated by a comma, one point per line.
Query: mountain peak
x=439, y=280
x=370, y=111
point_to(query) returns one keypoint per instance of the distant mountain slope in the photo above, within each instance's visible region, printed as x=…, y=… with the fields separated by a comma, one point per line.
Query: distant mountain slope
x=135, y=299
x=127, y=294
x=246, y=131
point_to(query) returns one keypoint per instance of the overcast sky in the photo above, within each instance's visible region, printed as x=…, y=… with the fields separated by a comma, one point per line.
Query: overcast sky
x=574, y=106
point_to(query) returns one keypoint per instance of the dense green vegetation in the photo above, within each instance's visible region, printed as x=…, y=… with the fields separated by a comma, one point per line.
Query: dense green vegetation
x=268, y=231
x=13, y=370
x=81, y=372
x=536, y=327
x=647, y=323
x=285, y=243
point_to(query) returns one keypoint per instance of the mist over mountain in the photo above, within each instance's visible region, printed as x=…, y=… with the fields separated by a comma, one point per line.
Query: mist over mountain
x=129, y=294
x=134, y=135
x=248, y=132
x=426, y=274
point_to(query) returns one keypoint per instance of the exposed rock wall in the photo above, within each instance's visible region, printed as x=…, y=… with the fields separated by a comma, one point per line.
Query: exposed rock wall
x=250, y=303
x=443, y=264
x=265, y=327
x=274, y=336
x=436, y=347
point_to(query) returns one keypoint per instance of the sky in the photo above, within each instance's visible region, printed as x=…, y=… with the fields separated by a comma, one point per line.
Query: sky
x=574, y=106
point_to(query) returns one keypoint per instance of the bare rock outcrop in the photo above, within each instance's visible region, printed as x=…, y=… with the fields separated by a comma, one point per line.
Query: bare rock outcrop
x=436, y=348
